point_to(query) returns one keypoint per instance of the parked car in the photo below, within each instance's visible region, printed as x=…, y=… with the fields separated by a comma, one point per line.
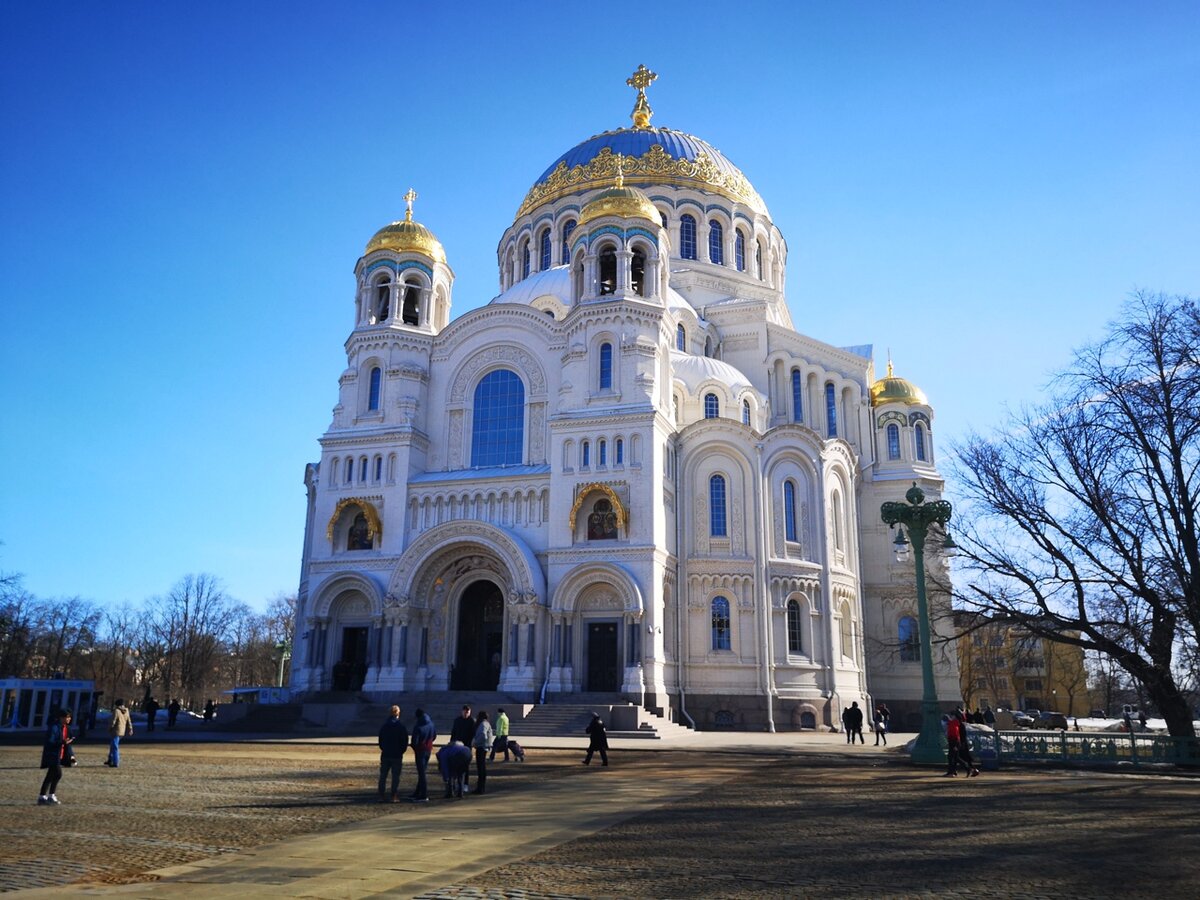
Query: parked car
x=1053, y=720
x=1098, y=714
x=1022, y=720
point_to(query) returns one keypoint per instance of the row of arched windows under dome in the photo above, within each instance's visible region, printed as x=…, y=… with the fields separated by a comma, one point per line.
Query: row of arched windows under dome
x=387, y=299
x=724, y=245
x=922, y=442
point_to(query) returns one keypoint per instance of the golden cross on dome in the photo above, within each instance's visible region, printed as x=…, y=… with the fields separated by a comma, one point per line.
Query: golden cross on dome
x=641, y=79
x=408, y=199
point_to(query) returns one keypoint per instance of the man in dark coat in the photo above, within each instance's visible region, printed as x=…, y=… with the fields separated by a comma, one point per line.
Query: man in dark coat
x=393, y=741
x=852, y=719
x=597, y=741
x=463, y=731
x=423, y=736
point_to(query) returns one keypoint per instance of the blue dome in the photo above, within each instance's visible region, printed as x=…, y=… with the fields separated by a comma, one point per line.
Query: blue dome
x=651, y=156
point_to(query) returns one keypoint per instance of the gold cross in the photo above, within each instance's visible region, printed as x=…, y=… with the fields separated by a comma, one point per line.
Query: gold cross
x=409, y=198
x=641, y=79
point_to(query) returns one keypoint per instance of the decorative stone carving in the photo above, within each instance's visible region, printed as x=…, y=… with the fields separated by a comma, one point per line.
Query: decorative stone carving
x=515, y=356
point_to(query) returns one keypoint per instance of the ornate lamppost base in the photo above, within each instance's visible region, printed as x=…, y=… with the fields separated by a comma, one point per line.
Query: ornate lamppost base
x=929, y=749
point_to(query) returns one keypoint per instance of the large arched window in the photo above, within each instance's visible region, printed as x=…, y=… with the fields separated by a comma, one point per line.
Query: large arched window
x=498, y=424
x=608, y=270
x=620, y=452
x=687, y=237
x=910, y=640
x=745, y=412
x=410, y=307
x=830, y=410
x=606, y=367
x=893, y=441
x=566, y=241
x=847, y=633
x=919, y=433
x=525, y=260
x=716, y=242
x=797, y=396
x=587, y=454
x=712, y=406
x=544, y=248
x=795, y=645
x=716, y=507
x=680, y=338
x=602, y=452
x=373, y=392
x=789, y=510
x=739, y=250
x=720, y=624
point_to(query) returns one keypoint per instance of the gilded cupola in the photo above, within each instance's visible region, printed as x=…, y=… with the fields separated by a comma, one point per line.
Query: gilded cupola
x=408, y=236
x=622, y=201
x=893, y=389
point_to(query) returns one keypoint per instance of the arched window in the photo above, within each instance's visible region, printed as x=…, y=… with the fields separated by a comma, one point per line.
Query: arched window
x=910, y=640
x=410, y=310
x=362, y=471
x=712, y=406
x=720, y=624
x=758, y=269
x=544, y=262
x=739, y=250
x=606, y=367
x=847, y=633
x=716, y=507
x=608, y=270
x=373, y=392
x=793, y=627
x=680, y=338
x=893, y=441
x=637, y=272
x=745, y=412
x=920, y=436
x=566, y=241
x=587, y=454
x=525, y=260
x=830, y=410
x=349, y=471
x=378, y=468
x=602, y=522
x=687, y=237
x=797, y=397
x=716, y=242
x=620, y=451
x=602, y=453
x=708, y=346
x=383, y=296
x=498, y=425
x=836, y=503
x=789, y=510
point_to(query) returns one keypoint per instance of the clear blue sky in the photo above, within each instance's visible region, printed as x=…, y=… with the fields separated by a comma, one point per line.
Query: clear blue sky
x=184, y=191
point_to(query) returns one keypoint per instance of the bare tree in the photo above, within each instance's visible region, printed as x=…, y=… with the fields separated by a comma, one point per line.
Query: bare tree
x=189, y=626
x=1082, y=518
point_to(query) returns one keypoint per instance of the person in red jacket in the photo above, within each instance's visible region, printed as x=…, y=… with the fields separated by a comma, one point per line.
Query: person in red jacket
x=957, y=747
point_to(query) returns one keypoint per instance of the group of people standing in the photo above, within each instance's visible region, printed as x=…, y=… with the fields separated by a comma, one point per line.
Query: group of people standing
x=468, y=734
x=852, y=722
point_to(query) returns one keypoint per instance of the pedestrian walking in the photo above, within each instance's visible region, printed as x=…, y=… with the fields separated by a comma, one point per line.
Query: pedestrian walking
x=463, y=731
x=852, y=720
x=501, y=742
x=597, y=741
x=56, y=753
x=423, y=736
x=150, y=708
x=393, y=741
x=880, y=727
x=119, y=726
x=989, y=716
x=958, y=747
x=482, y=742
x=173, y=712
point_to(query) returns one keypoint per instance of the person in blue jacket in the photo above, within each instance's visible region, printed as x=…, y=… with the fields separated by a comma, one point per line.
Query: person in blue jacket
x=423, y=736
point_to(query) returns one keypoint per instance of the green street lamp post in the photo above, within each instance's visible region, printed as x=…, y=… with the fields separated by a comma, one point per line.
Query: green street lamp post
x=283, y=651
x=930, y=747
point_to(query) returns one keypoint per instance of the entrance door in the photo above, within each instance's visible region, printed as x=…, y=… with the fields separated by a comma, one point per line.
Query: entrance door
x=602, y=673
x=350, y=671
x=480, y=639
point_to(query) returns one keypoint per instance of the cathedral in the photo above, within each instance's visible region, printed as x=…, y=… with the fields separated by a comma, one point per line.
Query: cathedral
x=629, y=474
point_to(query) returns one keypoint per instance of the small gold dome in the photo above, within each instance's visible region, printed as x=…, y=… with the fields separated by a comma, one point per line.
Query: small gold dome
x=407, y=236
x=891, y=389
x=626, y=202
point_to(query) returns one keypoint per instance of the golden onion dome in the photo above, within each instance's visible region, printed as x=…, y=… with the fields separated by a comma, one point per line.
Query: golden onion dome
x=891, y=389
x=625, y=202
x=407, y=236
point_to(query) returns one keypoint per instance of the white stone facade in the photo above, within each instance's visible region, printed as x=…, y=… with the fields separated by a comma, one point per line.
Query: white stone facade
x=731, y=567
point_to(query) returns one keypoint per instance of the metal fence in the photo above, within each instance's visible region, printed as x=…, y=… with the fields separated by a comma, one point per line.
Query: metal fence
x=1083, y=748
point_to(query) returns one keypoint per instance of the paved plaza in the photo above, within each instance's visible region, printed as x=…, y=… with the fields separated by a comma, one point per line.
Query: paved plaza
x=714, y=816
